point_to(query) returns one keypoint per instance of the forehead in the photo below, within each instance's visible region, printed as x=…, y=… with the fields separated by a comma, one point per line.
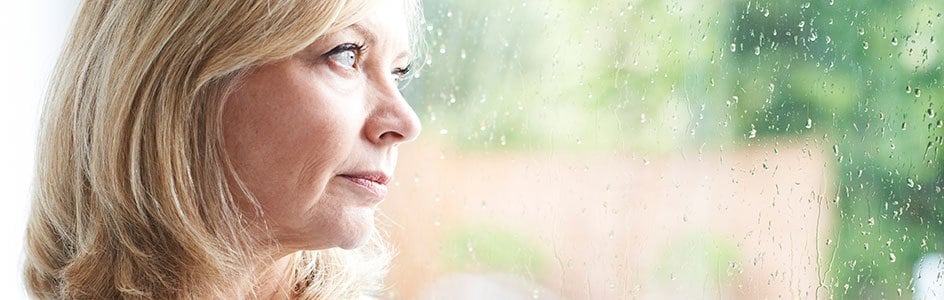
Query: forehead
x=386, y=23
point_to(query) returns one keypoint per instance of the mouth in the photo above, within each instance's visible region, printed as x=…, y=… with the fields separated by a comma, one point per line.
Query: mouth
x=374, y=183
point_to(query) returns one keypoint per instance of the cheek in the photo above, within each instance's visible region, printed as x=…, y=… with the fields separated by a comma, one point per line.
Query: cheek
x=286, y=142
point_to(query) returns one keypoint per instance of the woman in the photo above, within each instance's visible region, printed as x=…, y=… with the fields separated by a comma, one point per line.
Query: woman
x=220, y=149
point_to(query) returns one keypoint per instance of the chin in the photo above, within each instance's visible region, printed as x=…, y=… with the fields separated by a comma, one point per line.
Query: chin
x=358, y=226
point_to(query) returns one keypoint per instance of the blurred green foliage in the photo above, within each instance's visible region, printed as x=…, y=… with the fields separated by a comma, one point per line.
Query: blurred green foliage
x=657, y=76
x=489, y=248
x=699, y=258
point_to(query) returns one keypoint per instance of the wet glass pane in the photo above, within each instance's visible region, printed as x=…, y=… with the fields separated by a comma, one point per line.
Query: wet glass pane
x=674, y=149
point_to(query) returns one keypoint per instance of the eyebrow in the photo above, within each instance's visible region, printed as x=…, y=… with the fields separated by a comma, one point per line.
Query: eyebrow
x=372, y=38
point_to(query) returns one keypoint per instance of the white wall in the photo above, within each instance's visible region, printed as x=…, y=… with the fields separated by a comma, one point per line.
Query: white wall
x=31, y=34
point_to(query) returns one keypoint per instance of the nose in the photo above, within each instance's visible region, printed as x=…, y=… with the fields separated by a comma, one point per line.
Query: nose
x=391, y=120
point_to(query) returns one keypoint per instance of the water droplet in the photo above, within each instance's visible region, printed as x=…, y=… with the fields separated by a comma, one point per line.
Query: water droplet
x=910, y=182
x=861, y=31
x=894, y=41
x=753, y=132
x=917, y=92
x=756, y=50
x=908, y=89
x=809, y=123
x=930, y=113
x=871, y=221
x=802, y=23
x=733, y=47
x=891, y=257
x=865, y=45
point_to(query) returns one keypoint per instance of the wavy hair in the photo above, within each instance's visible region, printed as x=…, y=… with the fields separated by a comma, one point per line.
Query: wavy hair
x=134, y=195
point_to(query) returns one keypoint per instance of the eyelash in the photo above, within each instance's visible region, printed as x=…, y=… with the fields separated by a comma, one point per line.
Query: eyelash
x=402, y=73
x=359, y=49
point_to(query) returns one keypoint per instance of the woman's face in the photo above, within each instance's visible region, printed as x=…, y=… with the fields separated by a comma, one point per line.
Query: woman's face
x=315, y=136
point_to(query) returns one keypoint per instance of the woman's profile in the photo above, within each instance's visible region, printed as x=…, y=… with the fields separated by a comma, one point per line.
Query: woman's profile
x=220, y=149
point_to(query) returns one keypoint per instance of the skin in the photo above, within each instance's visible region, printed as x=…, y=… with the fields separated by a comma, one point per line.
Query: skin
x=296, y=129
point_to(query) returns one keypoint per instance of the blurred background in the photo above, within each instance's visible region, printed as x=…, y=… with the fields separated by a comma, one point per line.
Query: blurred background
x=31, y=34
x=674, y=149
x=723, y=149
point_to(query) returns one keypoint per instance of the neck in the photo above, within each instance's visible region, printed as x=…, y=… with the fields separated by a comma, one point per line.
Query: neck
x=274, y=278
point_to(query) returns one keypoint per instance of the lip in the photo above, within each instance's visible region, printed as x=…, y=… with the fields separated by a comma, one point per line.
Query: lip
x=374, y=183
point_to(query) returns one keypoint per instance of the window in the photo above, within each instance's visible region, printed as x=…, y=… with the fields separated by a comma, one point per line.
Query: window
x=667, y=149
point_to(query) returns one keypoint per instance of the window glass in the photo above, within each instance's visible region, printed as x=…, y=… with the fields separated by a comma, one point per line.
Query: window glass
x=674, y=149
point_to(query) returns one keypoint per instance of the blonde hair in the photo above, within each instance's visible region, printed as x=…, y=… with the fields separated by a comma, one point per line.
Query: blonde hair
x=134, y=196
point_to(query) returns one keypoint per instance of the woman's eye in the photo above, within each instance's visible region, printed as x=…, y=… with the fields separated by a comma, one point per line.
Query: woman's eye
x=346, y=54
x=400, y=74
x=346, y=58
